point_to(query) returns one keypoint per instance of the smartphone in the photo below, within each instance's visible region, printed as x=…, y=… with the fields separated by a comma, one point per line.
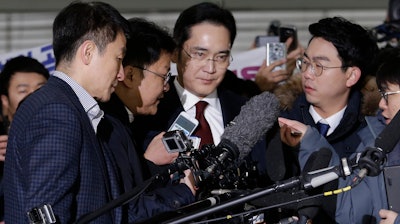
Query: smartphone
x=185, y=123
x=276, y=51
x=286, y=31
x=262, y=40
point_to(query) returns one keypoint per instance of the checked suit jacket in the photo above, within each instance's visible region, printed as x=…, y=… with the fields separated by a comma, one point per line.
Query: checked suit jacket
x=54, y=157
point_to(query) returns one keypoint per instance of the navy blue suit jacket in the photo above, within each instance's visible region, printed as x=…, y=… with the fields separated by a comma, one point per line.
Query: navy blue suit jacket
x=54, y=157
x=129, y=162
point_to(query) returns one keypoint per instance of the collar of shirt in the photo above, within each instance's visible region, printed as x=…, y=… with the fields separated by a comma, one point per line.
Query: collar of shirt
x=213, y=113
x=333, y=120
x=189, y=100
x=89, y=104
x=131, y=117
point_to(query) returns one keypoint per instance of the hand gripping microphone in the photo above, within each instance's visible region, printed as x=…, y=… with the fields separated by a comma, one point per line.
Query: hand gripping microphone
x=256, y=117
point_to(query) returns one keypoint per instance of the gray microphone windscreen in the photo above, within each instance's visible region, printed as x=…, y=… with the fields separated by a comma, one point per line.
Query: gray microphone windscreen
x=256, y=117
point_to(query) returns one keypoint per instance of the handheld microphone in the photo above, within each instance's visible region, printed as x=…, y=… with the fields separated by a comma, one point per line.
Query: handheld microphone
x=316, y=178
x=256, y=117
x=319, y=177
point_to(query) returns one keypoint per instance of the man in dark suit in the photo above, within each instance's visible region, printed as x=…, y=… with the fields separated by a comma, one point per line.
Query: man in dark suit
x=146, y=67
x=204, y=34
x=53, y=154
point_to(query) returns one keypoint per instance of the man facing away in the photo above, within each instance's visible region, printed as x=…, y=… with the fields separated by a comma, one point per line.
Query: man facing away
x=54, y=156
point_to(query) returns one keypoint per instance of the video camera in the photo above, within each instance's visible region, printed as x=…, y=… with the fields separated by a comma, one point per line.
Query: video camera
x=227, y=174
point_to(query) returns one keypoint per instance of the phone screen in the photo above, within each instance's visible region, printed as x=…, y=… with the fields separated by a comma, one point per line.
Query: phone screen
x=184, y=124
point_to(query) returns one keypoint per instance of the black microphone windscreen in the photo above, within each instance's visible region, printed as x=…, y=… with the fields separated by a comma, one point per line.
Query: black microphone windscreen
x=318, y=160
x=389, y=137
x=256, y=117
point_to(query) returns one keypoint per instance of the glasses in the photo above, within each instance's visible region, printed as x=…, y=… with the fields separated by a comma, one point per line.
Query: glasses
x=166, y=77
x=220, y=59
x=316, y=69
x=385, y=95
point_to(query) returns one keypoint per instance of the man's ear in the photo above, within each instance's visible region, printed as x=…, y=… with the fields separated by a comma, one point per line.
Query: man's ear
x=5, y=105
x=353, y=75
x=175, y=56
x=132, y=75
x=87, y=51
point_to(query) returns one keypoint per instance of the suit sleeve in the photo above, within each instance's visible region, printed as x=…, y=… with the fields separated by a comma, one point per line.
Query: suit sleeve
x=160, y=200
x=49, y=152
x=153, y=202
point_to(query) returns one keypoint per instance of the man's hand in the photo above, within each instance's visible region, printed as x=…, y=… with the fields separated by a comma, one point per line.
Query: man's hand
x=266, y=79
x=291, y=131
x=157, y=153
x=189, y=181
x=3, y=147
x=387, y=216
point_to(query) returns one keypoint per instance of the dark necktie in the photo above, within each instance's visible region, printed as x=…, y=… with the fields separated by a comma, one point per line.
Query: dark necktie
x=203, y=130
x=323, y=128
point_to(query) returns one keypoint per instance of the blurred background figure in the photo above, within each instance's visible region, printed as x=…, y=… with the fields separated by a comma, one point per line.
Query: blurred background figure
x=19, y=77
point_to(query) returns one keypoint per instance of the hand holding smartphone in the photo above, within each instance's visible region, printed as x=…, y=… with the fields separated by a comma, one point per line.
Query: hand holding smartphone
x=275, y=52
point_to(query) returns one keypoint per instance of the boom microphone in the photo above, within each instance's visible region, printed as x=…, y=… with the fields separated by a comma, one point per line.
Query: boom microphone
x=256, y=117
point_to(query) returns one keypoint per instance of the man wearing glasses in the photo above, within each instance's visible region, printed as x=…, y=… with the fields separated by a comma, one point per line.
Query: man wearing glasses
x=204, y=34
x=339, y=55
x=147, y=71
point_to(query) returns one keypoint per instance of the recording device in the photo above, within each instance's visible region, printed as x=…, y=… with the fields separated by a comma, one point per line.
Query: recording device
x=286, y=31
x=256, y=117
x=176, y=141
x=275, y=52
x=41, y=215
x=373, y=158
x=185, y=123
x=316, y=178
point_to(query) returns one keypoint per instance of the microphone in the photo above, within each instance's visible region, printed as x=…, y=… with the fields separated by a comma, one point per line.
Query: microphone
x=316, y=178
x=319, y=177
x=308, y=209
x=389, y=137
x=318, y=160
x=372, y=158
x=256, y=117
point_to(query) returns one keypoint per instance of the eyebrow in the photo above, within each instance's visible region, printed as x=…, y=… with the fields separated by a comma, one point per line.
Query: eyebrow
x=317, y=58
x=228, y=51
